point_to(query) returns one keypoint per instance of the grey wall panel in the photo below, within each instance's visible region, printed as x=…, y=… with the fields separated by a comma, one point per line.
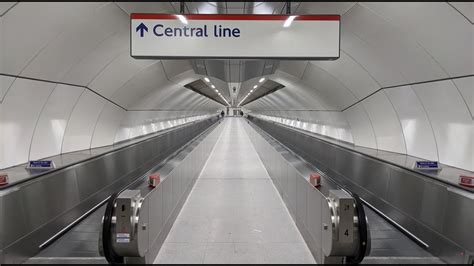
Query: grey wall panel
x=41, y=208
x=167, y=198
x=460, y=225
x=91, y=178
x=373, y=175
x=292, y=188
x=176, y=185
x=313, y=221
x=284, y=178
x=180, y=179
x=345, y=164
x=301, y=197
x=408, y=200
x=433, y=205
x=156, y=217
x=15, y=224
x=2, y=234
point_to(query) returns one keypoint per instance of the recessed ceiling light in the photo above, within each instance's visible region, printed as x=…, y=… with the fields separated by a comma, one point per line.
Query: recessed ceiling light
x=212, y=86
x=288, y=21
x=217, y=91
x=207, y=79
x=261, y=80
x=184, y=20
x=255, y=86
x=251, y=91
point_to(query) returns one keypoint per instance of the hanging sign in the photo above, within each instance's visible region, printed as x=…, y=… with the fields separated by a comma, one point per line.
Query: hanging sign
x=162, y=36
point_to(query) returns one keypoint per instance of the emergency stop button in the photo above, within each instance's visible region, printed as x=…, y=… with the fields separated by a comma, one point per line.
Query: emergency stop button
x=154, y=180
x=3, y=179
x=467, y=181
x=315, y=179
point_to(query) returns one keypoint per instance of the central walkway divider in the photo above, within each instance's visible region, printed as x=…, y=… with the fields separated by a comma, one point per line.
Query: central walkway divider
x=234, y=214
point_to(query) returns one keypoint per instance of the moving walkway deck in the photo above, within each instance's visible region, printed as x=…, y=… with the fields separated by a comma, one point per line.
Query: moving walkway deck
x=234, y=214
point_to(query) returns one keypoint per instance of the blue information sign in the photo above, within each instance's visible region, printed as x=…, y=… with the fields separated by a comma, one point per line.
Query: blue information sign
x=427, y=165
x=46, y=164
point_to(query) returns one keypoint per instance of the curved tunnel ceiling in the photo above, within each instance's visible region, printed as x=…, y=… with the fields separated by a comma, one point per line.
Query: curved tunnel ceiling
x=405, y=72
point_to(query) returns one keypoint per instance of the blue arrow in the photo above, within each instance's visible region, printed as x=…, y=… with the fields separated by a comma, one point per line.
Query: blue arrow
x=142, y=28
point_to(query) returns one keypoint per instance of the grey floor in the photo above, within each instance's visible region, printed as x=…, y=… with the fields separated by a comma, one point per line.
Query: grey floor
x=234, y=214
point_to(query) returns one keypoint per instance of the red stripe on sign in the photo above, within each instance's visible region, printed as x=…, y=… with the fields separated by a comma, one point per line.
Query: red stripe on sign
x=234, y=17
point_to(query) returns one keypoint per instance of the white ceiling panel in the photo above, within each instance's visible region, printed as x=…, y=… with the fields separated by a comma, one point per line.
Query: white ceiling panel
x=141, y=85
x=117, y=73
x=91, y=65
x=175, y=67
x=5, y=6
x=385, y=73
x=146, y=7
x=50, y=20
x=437, y=27
x=59, y=56
x=334, y=93
x=393, y=45
x=466, y=9
x=351, y=74
x=324, y=7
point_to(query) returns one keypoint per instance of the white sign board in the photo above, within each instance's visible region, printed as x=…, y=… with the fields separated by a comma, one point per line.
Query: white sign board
x=235, y=36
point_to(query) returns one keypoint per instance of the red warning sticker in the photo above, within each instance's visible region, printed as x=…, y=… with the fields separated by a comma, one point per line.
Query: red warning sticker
x=3, y=179
x=467, y=181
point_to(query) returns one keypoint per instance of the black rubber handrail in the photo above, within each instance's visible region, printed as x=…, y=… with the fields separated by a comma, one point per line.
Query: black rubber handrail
x=109, y=252
x=362, y=229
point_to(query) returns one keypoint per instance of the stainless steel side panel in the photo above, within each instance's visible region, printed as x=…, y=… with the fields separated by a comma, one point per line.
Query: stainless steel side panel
x=290, y=176
x=301, y=205
x=34, y=211
x=440, y=215
x=179, y=176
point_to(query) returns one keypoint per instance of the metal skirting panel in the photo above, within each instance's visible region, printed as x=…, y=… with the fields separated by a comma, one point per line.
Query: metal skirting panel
x=166, y=200
x=34, y=211
x=438, y=214
x=290, y=176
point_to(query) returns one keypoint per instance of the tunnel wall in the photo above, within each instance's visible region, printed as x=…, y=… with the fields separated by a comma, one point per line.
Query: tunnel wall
x=68, y=83
x=404, y=81
x=430, y=121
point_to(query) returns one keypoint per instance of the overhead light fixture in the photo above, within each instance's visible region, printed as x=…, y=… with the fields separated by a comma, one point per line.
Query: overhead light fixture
x=255, y=86
x=212, y=86
x=183, y=19
x=217, y=91
x=207, y=79
x=288, y=21
x=251, y=91
x=261, y=80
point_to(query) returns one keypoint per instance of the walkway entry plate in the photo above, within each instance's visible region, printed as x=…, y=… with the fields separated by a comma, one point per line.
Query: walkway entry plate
x=169, y=36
